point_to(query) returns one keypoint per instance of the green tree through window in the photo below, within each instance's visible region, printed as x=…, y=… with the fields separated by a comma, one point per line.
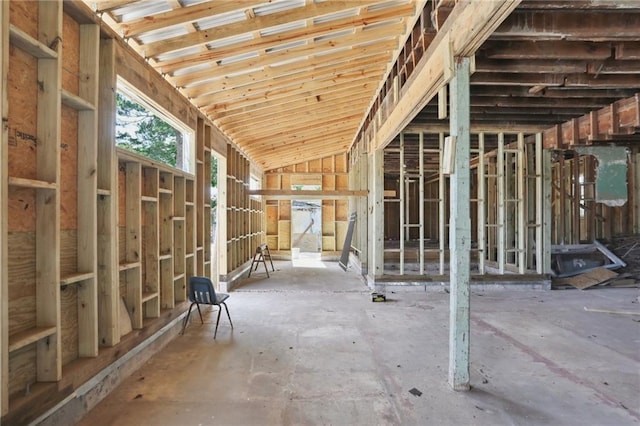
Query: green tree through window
x=141, y=131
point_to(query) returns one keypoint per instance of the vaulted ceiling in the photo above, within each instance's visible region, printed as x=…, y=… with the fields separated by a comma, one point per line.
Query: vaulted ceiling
x=293, y=80
x=284, y=79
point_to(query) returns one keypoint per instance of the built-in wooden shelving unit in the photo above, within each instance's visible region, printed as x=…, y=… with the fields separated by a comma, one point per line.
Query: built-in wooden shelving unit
x=86, y=236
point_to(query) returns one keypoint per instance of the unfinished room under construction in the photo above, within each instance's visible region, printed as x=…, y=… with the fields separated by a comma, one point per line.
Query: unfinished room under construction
x=422, y=212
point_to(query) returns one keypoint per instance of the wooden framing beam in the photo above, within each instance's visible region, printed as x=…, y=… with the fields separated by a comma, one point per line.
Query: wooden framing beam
x=266, y=43
x=571, y=25
x=273, y=122
x=49, y=359
x=107, y=183
x=258, y=23
x=332, y=61
x=183, y=15
x=468, y=26
x=238, y=87
x=87, y=195
x=4, y=188
x=291, y=87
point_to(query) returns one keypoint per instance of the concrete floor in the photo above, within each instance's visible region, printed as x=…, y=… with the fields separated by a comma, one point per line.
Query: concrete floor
x=310, y=347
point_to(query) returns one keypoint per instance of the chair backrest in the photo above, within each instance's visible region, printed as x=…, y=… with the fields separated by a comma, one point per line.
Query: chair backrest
x=201, y=290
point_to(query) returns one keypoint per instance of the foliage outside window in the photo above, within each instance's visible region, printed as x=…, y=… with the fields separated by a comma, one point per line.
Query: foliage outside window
x=144, y=130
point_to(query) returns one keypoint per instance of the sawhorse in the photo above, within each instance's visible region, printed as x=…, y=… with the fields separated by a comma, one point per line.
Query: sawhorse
x=261, y=256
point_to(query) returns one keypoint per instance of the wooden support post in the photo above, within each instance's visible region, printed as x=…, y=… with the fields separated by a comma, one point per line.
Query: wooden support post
x=442, y=221
x=421, y=201
x=575, y=205
x=362, y=225
x=634, y=188
x=221, y=234
x=133, y=248
x=402, y=207
x=540, y=203
x=376, y=214
x=48, y=358
x=501, y=217
x=107, y=212
x=87, y=194
x=4, y=179
x=521, y=207
x=481, y=231
x=546, y=213
x=460, y=229
x=562, y=200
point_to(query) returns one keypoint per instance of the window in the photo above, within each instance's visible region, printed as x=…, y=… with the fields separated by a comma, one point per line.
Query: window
x=145, y=129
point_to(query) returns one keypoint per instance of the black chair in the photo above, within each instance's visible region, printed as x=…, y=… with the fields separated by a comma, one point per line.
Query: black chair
x=201, y=292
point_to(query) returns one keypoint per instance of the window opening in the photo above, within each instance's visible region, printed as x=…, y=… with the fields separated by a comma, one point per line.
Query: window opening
x=145, y=129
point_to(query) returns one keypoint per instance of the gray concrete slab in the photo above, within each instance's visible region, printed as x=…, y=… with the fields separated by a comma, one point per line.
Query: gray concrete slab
x=310, y=347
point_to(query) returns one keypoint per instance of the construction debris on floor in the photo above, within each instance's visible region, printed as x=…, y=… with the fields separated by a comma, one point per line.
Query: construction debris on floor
x=590, y=265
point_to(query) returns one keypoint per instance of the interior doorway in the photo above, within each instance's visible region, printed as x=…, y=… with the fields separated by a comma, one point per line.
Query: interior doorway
x=306, y=227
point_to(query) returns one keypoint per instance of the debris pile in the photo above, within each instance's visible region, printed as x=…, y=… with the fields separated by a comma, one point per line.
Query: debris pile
x=591, y=265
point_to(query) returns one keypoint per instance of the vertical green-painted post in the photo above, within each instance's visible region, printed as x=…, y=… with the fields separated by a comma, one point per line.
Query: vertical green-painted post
x=459, y=229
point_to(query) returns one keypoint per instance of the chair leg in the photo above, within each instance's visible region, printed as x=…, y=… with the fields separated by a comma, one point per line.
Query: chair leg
x=186, y=319
x=217, y=322
x=200, y=313
x=228, y=316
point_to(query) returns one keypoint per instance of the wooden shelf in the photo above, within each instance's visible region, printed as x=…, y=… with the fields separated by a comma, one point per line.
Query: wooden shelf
x=29, y=44
x=148, y=296
x=24, y=338
x=77, y=277
x=127, y=266
x=76, y=102
x=32, y=183
x=149, y=199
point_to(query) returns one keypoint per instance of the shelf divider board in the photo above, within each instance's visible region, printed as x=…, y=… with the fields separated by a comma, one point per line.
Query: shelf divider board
x=166, y=206
x=107, y=214
x=151, y=248
x=4, y=178
x=87, y=191
x=49, y=351
x=27, y=337
x=133, y=247
x=30, y=45
x=179, y=292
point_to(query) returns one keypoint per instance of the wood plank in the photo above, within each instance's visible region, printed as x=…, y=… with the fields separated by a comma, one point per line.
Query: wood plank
x=258, y=23
x=4, y=210
x=31, y=183
x=133, y=237
x=107, y=208
x=25, y=42
x=468, y=26
x=87, y=185
x=49, y=359
x=27, y=337
x=76, y=102
x=589, y=279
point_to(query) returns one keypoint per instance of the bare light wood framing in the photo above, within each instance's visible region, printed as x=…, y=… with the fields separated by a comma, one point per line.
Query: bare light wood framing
x=4, y=177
